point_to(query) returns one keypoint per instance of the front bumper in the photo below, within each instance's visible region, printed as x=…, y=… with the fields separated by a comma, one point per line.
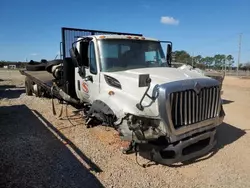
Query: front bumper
x=184, y=150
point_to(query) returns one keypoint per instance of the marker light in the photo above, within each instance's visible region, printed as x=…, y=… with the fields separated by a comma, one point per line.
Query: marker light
x=111, y=92
x=102, y=37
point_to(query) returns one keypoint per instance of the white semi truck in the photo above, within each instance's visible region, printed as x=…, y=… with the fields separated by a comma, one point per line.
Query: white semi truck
x=126, y=81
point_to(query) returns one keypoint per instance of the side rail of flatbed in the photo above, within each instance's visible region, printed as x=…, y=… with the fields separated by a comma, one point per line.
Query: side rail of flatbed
x=46, y=81
x=43, y=79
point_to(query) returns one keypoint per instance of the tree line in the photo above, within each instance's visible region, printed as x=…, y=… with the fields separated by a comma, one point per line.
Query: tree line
x=17, y=63
x=218, y=61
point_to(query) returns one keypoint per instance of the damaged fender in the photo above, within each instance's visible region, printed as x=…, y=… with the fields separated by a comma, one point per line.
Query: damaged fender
x=121, y=103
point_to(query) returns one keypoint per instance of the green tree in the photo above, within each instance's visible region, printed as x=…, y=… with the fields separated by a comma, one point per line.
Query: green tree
x=208, y=61
x=219, y=60
x=197, y=59
x=230, y=61
x=182, y=57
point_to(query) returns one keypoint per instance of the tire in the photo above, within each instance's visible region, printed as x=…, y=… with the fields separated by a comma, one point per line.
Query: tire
x=44, y=61
x=50, y=64
x=33, y=62
x=28, y=89
x=36, y=67
x=102, y=112
x=38, y=93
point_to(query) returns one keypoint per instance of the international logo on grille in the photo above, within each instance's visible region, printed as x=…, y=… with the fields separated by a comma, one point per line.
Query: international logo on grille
x=197, y=87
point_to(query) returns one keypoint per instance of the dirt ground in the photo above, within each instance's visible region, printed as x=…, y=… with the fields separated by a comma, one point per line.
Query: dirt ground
x=38, y=149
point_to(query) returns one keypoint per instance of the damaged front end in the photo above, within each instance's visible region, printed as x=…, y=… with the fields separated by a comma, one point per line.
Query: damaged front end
x=140, y=129
x=189, y=112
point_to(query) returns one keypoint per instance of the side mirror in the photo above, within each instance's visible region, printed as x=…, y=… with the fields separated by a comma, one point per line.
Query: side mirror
x=144, y=80
x=169, y=54
x=75, y=56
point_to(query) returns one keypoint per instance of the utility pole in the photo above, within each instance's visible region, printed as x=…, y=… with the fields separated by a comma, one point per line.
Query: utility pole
x=192, y=59
x=225, y=64
x=240, y=37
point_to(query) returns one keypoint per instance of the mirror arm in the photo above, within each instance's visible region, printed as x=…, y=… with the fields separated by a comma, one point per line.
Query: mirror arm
x=139, y=105
x=152, y=98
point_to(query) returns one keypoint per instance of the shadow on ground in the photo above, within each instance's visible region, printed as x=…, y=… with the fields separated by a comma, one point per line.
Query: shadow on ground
x=226, y=135
x=11, y=91
x=224, y=101
x=32, y=156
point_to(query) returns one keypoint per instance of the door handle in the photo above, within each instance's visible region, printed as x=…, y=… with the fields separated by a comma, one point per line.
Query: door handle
x=89, y=78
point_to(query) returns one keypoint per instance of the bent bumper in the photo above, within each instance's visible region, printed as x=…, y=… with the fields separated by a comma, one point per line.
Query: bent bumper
x=185, y=150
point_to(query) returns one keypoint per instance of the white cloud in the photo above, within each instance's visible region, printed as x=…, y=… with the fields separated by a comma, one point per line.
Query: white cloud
x=169, y=20
x=34, y=54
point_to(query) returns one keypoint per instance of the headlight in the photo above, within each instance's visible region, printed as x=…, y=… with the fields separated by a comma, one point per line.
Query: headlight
x=112, y=82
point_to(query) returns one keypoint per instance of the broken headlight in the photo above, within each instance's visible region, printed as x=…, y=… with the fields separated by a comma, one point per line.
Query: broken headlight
x=144, y=128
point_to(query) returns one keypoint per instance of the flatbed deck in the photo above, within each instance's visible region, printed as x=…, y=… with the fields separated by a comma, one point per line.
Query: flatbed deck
x=43, y=78
x=49, y=84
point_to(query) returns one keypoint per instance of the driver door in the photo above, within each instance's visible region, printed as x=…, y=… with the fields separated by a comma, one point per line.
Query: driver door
x=88, y=86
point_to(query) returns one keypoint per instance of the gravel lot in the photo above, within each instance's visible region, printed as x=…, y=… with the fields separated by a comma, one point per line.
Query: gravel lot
x=38, y=149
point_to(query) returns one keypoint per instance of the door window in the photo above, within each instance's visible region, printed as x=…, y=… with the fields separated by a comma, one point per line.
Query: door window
x=92, y=58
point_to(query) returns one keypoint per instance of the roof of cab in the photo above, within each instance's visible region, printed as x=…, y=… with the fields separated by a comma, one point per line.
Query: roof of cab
x=122, y=37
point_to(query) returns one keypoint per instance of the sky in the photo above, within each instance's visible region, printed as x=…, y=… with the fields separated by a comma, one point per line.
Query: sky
x=32, y=29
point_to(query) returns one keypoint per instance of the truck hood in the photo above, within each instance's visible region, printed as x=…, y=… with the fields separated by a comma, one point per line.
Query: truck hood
x=162, y=75
x=158, y=75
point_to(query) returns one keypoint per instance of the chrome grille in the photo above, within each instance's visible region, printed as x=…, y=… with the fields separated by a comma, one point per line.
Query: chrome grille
x=188, y=107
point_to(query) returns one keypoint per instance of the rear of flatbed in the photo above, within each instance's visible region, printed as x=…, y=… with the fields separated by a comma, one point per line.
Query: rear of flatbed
x=43, y=80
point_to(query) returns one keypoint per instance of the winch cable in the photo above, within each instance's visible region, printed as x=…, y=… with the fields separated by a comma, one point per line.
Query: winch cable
x=136, y=158
x=68, y=116
x=136, y=151
x=61, y=111
x=53, y=105
x=136, y=154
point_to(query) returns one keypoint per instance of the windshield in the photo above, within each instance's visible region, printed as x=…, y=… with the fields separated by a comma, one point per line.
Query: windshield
x=124, y=54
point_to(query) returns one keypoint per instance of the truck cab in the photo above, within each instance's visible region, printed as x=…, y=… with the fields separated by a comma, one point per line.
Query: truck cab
x=130, y=85
x=114, y=54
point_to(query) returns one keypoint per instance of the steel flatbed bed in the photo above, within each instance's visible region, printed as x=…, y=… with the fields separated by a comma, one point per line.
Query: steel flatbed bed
x=42, y=78
x=48, y=83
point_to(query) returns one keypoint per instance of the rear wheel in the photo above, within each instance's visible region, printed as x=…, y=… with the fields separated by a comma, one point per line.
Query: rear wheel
x=37, y=90
x=28, y=88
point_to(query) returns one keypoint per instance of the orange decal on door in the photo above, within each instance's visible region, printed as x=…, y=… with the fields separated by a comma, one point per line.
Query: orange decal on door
x=85, y=87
